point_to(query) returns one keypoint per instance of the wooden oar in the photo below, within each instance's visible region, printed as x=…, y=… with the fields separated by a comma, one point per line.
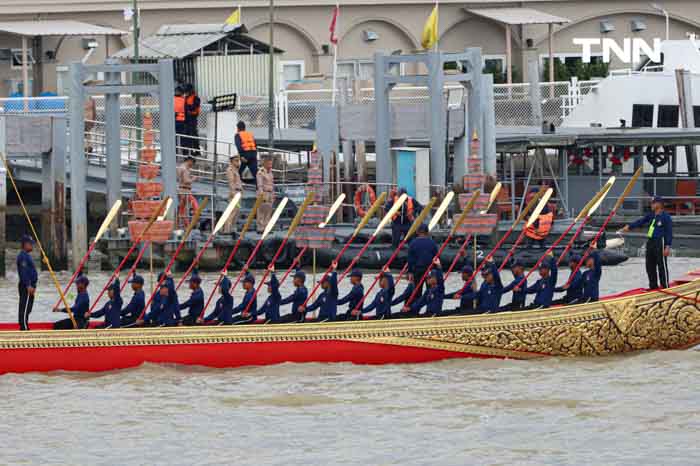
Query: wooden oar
x=590, y=208
x=619, y=202
x=244, y=230
x=492, y=198
x=132, y=270
x=416, y=224
x=292, y=227
x=467, y=209
x=44, y=257
x=268, y=228
x=387, y=218
x=163, y=204
x=533, y=218
x=526, y=210
x=219, y=225
x=378, y=203
x=331, y=213
x=103, y=228
x=594, y=202
x=183, y=241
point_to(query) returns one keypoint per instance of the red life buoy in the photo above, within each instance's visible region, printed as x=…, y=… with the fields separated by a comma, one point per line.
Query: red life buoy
x=365, y=188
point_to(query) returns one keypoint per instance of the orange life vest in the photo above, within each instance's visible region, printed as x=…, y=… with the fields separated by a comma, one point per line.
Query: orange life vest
x=179, y=108
x=192, y=108
x=544, y=222
x=408, y=205
x=247, y=141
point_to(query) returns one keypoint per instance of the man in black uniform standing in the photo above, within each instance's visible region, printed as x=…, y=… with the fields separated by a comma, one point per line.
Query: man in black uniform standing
x=659, y=239
x=27, y=281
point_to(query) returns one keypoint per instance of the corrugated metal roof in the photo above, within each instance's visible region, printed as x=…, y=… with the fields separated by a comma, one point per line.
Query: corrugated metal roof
x=514, y=16
x=170, y=46
x=57, y=28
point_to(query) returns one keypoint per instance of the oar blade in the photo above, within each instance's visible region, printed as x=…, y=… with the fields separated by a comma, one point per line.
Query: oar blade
x=300, y=214
x=467, y=210
x=628, y=188
x=540, y=207
x=168, y=203
x=601, y=197
x=195, y=218
x=108, y=219
x=334, y=208
x=378, y=203
x=393, y=211
x=444, y=205
x=227, y=213
x=275, y=216
x=492, y=198
x=421, y=218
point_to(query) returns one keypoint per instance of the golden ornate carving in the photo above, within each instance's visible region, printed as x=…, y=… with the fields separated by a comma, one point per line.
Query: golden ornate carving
x=650, y=321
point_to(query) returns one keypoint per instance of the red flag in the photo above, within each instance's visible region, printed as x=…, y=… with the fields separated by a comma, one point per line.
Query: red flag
x=334, y=21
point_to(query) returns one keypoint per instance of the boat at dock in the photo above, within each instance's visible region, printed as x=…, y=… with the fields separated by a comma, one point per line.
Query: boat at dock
x=629, y=322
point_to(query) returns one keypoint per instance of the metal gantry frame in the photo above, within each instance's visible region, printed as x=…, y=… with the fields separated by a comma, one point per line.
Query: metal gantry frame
x=112, y=88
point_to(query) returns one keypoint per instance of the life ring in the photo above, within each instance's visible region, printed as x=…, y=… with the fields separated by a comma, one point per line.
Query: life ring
x=365, y=188
x=658, y=156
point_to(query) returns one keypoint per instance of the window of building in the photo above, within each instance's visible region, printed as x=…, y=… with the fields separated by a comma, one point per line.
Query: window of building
x=642, y=116
x=17, y=58
x=696, y=115
x=292, y=71
x=668, y=116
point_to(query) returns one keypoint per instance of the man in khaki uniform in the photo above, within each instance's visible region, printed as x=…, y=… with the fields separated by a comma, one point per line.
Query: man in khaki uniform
x=187, y=204
x=266, y=187
x=235, y=185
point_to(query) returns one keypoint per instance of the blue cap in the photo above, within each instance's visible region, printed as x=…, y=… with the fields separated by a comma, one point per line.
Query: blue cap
x=249, y=278
x=115, y=285
x=300, y=275
x=658, y=199
x=534, y=190
x=423, y=228
x=82, y=280
x=402, y=190
x=435, y=273
x=356, y=273
x=574, y=258
x=468, y=269
x=195, y=279
x=225, y=284
x=26, y=239
x=161, y=276
x=137, y=279
x=545, y=265
x=517, y=263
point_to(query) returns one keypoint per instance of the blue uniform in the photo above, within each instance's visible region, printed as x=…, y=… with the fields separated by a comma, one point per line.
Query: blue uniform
x=248, y=297
x=26, y=270
x=223, y=310
x=591, y=279
x=466, y=303
x=80, y=307
x=405, y=294
x=271, y=307
x=518, y=297
x=575, y=290
x=489, y=295
x=660, y=226
x=296, y=299
x=195, y=305
x=353, y=298
x=165, y=311
x=421, y=252
x=433, y=297
x=132, y=310
x=659, y=236
x=111, y=311
x=543, y=289
x=382, y=300
x=327, y=301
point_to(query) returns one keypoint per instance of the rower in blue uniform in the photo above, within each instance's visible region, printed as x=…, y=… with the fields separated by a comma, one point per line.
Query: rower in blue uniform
x=296, y=299
x=591, y=277
x=381, y=303
x=271, y=306
x=488, y=296
x=28, y=277
x=406, y=293
x=196, y=302
x=327, y=300
x=165, y=309
x=249, y=297
x=354, y=296
x=517, y=302
x=421, y=252
x=431, y=299
x=466, y=305
x=223, y=310
x=543, y=289
x=112, y=310
x=80, y=308
x=132, y=310
x=659, y=239
x=574, y=287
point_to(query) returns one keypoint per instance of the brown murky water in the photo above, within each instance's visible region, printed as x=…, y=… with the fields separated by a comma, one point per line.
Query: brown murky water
x=640, y=409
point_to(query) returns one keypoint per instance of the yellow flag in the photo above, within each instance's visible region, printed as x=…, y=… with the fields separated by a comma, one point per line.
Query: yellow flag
x=235, y=17
x=430, y=31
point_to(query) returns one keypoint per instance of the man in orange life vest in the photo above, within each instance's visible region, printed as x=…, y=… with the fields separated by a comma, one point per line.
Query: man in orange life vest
x=539, y=230
x=180, y=115
x=193, y=107
x=402, y=221
x=248, y=150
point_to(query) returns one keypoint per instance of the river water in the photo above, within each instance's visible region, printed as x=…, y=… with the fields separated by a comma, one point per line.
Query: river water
x=639, y=409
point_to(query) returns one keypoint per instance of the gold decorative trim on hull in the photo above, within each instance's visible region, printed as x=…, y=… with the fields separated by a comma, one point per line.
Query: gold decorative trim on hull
x=649, y=321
